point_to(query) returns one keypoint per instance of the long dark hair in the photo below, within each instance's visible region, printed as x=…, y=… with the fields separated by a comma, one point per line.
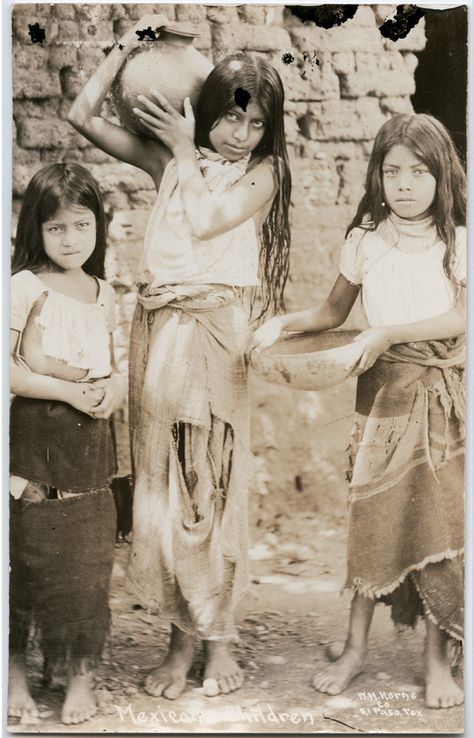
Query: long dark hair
x=429, y=140
x=256, y=76
x=53, y=187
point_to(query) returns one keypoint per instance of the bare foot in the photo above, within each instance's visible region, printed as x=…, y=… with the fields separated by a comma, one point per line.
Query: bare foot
x=169, y=678
x=80, y=703
x=335, y=678
x=222, y=673
x=20, y=702
x=441, y=689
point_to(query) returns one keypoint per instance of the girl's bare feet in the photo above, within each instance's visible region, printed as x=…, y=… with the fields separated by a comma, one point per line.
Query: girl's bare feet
x=169, y=678
x=337, y=676
x=80, y=703
x=222, y=673
x=20, y=702
x=441, y=690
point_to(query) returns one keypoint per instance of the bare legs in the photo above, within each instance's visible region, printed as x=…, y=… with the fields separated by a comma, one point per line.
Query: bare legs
x=169, y=678
x=20, y=702
x=221, y=675
x=441, y=689
x=80, y=703
x=337, y=676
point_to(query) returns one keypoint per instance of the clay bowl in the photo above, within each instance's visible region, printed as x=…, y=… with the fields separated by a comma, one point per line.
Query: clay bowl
x=308, y=361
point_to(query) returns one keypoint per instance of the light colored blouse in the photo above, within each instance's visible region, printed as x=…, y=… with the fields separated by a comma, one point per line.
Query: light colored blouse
x=400, y=269
x=73, y=332
x=173, y=255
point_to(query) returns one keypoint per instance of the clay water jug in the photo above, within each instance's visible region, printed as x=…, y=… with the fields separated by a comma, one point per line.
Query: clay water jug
x=170, y=64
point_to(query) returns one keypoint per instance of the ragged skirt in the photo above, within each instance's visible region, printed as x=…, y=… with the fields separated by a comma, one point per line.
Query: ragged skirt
x=406, y=521
x=189, y=421
x=61, y=546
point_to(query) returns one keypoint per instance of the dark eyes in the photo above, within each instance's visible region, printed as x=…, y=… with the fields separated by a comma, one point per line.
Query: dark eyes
x=234, y=117
x=60, y=228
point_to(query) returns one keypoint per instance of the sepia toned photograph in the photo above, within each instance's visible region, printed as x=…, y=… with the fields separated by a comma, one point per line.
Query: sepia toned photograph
x=237, y=368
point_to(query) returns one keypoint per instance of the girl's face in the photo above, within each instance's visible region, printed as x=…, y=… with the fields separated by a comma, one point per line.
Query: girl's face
x=409, y=187
x=238, y=132
x=69, y=237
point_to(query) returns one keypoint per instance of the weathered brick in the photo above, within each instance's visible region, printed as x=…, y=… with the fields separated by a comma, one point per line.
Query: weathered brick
x=254, y=14
x=338, y=150
x=35, y=83
x=45, y=134
x=72, y=82
x=347, y=120
x=121, y=176
x=61, y=56
x=311, y=38
x=191, y=13
x=396, y=105
x=143, y=198
x=352, y=174
x=204, y=39
x=308, y=81
x=138, y=10
x=343, y=62
x=21, y=175
x=22, y=156
x=24, y=108
x=315, y=185
x=222, y=13
x=411, y=61
x=45, y=20
x=69, y=30
x=383, y=83
x=384, y=61
x=256, y=38
x=65, y=11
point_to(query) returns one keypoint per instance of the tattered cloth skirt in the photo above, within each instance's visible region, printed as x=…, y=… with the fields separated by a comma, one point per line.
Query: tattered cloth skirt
x=62, y=530
x=406, y=529
x=189, y=421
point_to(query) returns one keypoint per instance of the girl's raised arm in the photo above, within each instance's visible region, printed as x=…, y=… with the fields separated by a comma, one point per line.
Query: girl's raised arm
x=209, y=215
x=147, y=154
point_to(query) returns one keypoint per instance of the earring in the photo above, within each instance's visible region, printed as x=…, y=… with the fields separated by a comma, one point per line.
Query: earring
x=383, y=204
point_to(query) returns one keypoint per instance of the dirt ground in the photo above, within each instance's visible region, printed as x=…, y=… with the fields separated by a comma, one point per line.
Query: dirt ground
x=291, y=612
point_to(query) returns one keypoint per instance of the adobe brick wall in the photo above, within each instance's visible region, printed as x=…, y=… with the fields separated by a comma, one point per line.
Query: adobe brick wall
x=344, y=82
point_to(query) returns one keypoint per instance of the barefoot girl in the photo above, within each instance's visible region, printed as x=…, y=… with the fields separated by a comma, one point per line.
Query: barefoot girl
x=222, y=186
x=62, y=514
x=406, y=252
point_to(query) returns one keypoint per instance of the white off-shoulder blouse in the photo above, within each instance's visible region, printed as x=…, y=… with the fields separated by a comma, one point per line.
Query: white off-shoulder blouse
x=73, y=332
x=400, y=269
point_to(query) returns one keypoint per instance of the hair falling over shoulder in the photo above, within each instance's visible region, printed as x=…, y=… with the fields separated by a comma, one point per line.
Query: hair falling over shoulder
x=259, y=78
x=51, y=188
x=429, y=140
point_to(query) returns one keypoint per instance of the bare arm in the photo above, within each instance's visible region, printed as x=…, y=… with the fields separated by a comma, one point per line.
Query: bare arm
x=85, y=113
x=377, y=340
x=81, y=395
x=331, y=314
x=209, y=215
